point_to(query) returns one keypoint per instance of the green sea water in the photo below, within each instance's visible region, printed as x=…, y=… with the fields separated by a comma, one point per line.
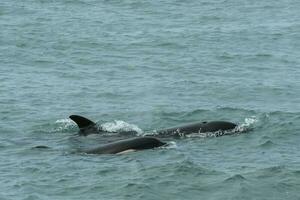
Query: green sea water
x=147, y=65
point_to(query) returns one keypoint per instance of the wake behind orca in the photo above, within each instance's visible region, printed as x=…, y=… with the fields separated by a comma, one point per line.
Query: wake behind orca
x=87, y=127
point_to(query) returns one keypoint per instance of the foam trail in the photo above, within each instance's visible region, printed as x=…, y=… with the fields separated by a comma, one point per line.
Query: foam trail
x=248, y=124
x=170, y=145
x=64, y=125
x=119, y=126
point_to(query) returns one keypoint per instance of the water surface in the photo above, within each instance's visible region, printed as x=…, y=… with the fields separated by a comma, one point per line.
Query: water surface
x=150, y=65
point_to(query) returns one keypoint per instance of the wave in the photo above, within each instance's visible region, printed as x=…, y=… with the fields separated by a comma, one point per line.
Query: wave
x=268, y=144
x=235, y=178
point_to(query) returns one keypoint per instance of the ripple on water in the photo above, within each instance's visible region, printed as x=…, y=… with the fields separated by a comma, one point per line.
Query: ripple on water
x=237, y=178
x=267, y=145
x=269, y=172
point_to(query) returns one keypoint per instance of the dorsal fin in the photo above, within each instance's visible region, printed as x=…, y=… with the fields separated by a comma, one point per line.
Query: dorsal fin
x=82, y=122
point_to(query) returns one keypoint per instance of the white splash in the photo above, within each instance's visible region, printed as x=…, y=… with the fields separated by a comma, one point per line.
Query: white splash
x=64, y=124
x=119, y=126
x=170, y=145
x=248, y=124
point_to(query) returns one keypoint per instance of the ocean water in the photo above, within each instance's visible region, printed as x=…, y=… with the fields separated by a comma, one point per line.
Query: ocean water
x=146, y=65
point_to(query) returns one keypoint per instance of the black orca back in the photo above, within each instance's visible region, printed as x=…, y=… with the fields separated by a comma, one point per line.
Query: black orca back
x=138, y=143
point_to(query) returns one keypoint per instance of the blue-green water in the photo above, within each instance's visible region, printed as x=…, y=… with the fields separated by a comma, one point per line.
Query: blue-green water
x=150, y=65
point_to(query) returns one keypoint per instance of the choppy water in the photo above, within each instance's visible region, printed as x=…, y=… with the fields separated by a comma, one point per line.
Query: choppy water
x=149, y=65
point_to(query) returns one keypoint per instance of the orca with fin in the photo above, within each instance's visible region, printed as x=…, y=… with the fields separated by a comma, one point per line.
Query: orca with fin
x=87, y=127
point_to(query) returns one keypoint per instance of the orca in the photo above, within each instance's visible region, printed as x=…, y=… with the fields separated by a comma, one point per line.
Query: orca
x=199, y=127
x=121, y=146
x=127, y=145
x=87, y=127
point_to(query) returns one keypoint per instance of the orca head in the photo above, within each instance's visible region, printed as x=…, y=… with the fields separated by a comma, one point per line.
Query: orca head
x=148, y=143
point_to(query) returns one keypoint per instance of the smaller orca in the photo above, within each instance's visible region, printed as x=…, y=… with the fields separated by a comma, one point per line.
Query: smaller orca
x=127, y=145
